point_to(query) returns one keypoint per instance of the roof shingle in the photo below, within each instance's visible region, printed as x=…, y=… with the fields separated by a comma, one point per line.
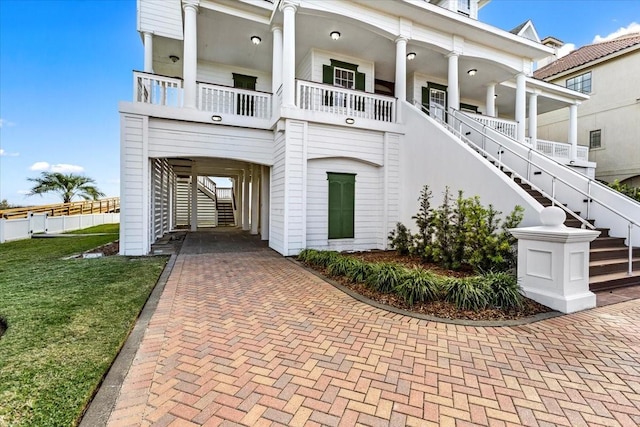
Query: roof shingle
x=585, y=55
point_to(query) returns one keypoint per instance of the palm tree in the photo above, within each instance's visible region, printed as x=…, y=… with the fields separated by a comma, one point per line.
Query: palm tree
x=67, y=185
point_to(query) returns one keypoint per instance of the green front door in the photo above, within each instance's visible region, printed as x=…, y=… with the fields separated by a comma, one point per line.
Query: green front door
x=341, y=205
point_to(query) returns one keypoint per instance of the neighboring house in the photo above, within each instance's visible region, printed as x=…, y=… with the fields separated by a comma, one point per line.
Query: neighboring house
x=330, y=116
x=609, y=122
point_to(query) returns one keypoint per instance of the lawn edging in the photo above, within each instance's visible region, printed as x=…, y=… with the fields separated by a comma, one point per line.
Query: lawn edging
x=104, y=399
x=461, y=322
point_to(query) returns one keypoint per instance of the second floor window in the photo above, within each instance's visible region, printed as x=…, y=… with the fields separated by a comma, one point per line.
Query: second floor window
x=344, y=78
x=581, y=83
x=595, y=138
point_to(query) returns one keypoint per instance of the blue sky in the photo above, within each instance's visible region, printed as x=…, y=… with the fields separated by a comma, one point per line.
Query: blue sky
x=65, y=65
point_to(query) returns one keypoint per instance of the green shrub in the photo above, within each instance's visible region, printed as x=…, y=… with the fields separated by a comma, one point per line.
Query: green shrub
x=384, y=277
x=418, y=285
x=340, y=265
x=505, y=290
x=467, y=293
x=358, y=271
x=424, y=221
x=323, y=258
x=401, y=240
x=627, y=190
x=305, y=255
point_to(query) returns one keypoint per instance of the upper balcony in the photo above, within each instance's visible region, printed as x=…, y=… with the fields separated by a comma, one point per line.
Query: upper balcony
x=223, y=101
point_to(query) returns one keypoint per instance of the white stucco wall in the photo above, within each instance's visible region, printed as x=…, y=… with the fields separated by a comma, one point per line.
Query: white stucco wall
x=614, y=109
x=430, y=155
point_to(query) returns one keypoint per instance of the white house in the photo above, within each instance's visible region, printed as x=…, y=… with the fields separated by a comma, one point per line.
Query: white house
x=608, y=122
x=329, y=117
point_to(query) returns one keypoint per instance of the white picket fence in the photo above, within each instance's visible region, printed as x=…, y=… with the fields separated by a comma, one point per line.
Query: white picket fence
x=24, y=228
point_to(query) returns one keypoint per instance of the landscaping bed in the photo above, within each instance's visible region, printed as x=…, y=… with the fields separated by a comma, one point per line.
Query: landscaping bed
x=437, y=306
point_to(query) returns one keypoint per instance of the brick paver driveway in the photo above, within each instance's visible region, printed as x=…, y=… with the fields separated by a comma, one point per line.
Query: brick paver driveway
x=249, y=338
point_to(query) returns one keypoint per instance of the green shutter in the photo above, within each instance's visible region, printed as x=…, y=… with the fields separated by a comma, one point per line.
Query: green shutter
x=341, y=205
x=359, y=81
x=327, y=74
x=425, y=97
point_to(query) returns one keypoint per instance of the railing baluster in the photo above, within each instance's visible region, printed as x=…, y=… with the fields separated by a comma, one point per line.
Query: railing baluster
x=630, y=271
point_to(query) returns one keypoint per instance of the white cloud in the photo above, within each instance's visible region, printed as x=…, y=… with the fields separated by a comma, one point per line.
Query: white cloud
x=6, y=123
x=64, y=168
x=632, y=28
x=60, y=167
x=5, y=154
x=40, y=166
x=23, y=192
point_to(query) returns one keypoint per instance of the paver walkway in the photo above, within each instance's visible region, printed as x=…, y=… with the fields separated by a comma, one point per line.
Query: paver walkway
x=249, y=338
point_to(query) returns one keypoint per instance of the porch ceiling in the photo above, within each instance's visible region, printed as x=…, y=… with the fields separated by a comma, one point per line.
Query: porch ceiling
x=208, y=166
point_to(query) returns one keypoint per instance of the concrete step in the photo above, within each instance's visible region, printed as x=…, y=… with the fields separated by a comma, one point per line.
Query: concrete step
x=599, y=254
x=608, y=242
x=607, y=266
x=613, y=280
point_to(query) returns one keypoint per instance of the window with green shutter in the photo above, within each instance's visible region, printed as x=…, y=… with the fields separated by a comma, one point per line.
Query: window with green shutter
x=342, y=74
x=342, y=191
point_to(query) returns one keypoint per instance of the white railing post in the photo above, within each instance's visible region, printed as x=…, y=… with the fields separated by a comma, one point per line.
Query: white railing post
x=630, y=270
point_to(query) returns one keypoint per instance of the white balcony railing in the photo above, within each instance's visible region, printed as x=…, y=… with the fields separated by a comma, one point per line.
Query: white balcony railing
x=226, y=100
x=350, y=103
x=506, y=127
x=560, y=151
x=158, y=90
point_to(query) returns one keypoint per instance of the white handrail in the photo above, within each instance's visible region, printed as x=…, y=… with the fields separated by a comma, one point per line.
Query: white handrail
x=350, y=103
x=234, y=101
x=154, y=89
x=498, y=160
x=590, y=198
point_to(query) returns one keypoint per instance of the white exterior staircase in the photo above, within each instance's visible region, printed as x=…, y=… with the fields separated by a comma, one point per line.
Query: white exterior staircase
x=614, y=261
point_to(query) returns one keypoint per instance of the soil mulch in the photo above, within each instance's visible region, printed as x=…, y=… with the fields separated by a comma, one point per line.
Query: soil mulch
x=441, y=309
x=109, y=249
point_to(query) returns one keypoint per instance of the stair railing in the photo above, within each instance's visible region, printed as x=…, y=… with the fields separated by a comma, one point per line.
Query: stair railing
x=530, y=163
x=500, y=166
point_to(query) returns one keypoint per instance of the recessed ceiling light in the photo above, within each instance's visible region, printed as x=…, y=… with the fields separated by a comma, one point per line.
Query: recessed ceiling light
x=411, y=56
x=256, y=40
x=335, y=35
x=174, y=58
x=472, y=72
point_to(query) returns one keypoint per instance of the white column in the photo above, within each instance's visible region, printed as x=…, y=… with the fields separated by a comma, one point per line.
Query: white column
x=289, y=55
x=264, y=202
x=573, y=130
x=521, y=106
x=237, y=188
x=276, y=66
x=255, y=198
x=190, y=60
x=491, y=100
x=401, y=69
x=533, y=118
x=148, y=52
x=194, y=200
x=245, y=200
x=453, y=91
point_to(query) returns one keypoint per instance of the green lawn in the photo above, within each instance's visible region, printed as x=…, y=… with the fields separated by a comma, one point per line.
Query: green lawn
x=66, y=321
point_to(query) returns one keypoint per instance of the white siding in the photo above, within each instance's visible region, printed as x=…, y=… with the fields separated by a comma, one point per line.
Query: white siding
x=171, y=138
x=277, y=195
x=222, y=74
x=321, y=57
x=294, y=187
x=392, y=184
x=134, y=189
x=160, y=17
x=368, y=216
x=304, y=69
x=334, y=141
